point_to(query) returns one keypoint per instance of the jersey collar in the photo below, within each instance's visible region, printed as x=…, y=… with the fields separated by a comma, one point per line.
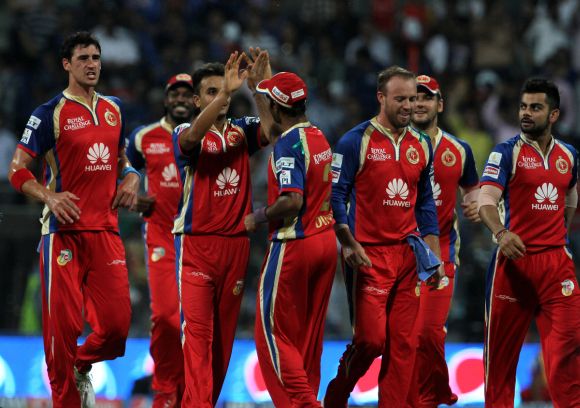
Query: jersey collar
x=387, y=132
x=438, y=138
x=221, y=132
x=166, y=125
x=536, y=145
x=80, y=100
x=298, y=125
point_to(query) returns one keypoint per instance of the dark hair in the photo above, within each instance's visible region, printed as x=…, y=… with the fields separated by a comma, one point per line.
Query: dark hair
x=545, y=86
x=210, y=69
x=298, y=109
x=393, y=71
x=82, y=38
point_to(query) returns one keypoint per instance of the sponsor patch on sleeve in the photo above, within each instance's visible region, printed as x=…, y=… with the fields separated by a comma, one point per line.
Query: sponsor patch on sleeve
x=33, y=122
x=491, y=171
x=337, y=160
x=494, y=158
x=335, y=176
x=285, y=178
x=284, y=163
x=251, y=120
x=181, y=128
x=26, y=136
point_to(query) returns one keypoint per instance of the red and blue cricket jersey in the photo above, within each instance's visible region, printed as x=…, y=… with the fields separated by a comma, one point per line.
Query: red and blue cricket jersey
x=80, y=146
x=382, y=188
x=216, y=179
x=151, y=147
x=301, y=153
x=454, y=167
x=534, y=188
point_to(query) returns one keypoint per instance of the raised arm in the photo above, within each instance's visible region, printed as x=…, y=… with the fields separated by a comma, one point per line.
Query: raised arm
x=258, y=70
x=233, y=79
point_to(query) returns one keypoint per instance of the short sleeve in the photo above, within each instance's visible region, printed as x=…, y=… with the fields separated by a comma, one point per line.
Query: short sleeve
x=498, y=166
x=469, y=177
x=135, y=157
x=289, y=164
x=251, y=127
x=38, y=135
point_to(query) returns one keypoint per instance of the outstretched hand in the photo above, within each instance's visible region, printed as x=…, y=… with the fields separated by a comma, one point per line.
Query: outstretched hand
x=258, y=67
x=233, y=77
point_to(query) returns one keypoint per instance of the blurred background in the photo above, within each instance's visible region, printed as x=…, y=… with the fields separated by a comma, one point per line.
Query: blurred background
x=480, y=52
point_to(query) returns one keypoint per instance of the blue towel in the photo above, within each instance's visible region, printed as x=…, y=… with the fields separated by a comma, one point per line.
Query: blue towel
x=427, y=261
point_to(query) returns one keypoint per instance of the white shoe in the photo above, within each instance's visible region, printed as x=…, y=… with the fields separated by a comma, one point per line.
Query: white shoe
x=85, y=389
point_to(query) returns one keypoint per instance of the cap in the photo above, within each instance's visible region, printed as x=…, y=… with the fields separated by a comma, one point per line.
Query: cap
x=285, y=88
x=179, y=79
x=429, y=83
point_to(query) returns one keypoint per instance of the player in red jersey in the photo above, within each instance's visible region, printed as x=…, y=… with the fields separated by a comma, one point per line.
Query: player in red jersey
x=294, y=289
x=79, y=135
x=454, y=168
x=383, y=202
x=150, y=147
x=212, y=246
x=533, y=178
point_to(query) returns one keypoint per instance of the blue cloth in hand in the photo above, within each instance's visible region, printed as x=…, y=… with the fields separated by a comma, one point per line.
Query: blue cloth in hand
x=427, y=261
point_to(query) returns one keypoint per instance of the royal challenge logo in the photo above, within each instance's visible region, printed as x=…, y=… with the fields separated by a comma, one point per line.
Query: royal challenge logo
x=98, y=156
x=227, y=183
x=397, y=192
x=546, y=196
x=169, y=175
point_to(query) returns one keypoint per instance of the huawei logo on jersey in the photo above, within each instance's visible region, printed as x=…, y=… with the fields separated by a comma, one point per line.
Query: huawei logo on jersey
x=98, y=156
x=546, y=195
x=397, y=188
x=169, y=172
x=436, y=187
x=227, y=182
x=169, y=175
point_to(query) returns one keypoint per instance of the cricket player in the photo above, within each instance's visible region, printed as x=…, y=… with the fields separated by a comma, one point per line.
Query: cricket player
x=454, y=168
x=527, y=200
x=79, y=137
x=212, y=246
x=383, y=203
x=150, y=147
x=298, y=271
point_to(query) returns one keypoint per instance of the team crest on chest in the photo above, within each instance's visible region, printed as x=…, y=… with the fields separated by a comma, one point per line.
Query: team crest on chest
x=562, y=165
x=412, y=155
x=234, y=138
x=448, y=158
x=110, y=118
